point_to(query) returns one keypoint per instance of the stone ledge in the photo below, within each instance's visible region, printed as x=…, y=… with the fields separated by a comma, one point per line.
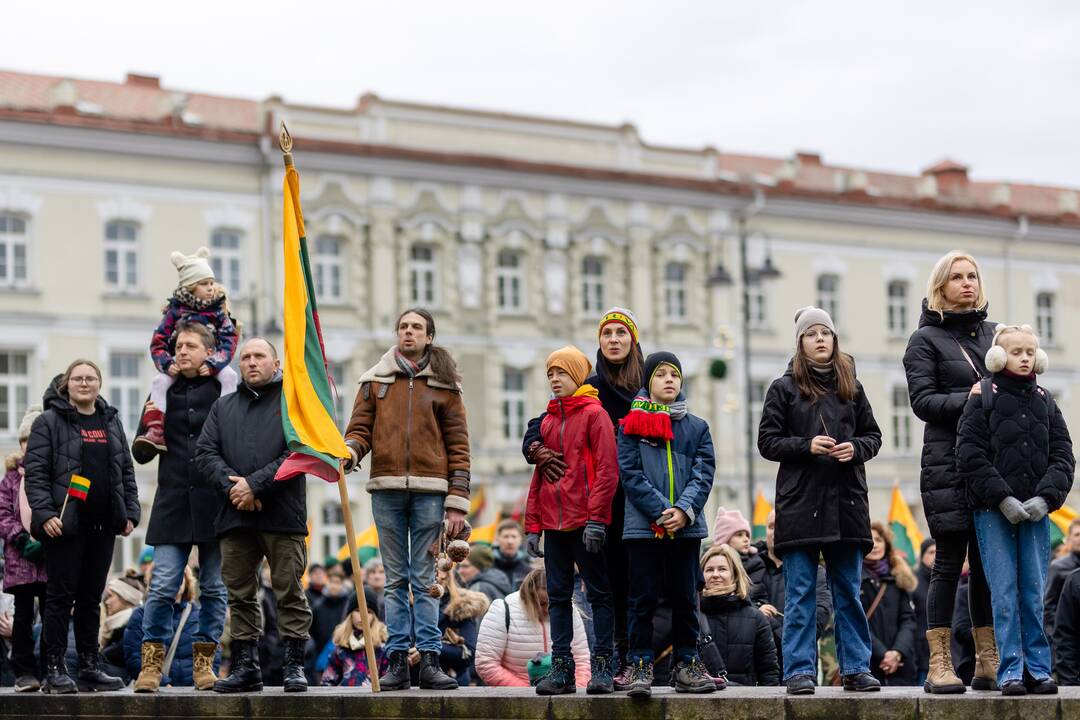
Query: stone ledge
x=511, y=703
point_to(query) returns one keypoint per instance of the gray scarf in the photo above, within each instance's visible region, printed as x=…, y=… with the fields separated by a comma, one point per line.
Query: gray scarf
x=677, y=410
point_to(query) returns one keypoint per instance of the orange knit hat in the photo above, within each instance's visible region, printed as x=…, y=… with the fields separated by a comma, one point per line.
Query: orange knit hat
x=572, y=361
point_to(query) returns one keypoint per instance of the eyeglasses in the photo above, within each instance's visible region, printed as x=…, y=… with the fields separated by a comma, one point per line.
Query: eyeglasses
x=88, y=380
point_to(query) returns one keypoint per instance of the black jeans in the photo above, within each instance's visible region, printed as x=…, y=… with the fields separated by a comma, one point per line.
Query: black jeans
x=78, y=566
x=562, y=550
x=618, y=570
x=668, y=568
x=952, y=548
x=23, y=661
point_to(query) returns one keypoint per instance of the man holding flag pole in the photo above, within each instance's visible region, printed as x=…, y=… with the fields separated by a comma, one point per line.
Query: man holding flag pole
x=307, y=400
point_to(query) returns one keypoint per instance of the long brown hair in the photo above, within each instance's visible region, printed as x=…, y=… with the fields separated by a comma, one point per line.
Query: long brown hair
x=630, y=374
x=441, y=362
x=843, y=368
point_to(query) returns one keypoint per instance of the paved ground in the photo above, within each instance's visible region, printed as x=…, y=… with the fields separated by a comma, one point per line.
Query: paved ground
x=507, y=704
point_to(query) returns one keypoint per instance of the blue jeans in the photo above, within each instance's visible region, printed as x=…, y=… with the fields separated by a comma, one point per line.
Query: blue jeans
x=843, y=571
x=1015, y=558
x=165, y=583
x=408, y=525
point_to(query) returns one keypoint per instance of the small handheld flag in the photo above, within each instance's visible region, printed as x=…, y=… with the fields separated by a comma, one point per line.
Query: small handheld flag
x=78, y=488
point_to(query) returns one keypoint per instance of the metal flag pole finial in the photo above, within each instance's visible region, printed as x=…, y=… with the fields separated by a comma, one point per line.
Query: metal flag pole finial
x=285, y=142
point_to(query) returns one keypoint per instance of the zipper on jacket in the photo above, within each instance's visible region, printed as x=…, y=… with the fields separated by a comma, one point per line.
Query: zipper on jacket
x=562, y=449
x=408, y=437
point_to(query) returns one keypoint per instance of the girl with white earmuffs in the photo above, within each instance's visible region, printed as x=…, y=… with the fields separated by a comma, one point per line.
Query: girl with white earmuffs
x=1015, y=456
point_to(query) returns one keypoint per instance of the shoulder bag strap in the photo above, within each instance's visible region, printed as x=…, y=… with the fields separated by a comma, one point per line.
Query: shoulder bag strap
x=978, y=375
x=877, y=601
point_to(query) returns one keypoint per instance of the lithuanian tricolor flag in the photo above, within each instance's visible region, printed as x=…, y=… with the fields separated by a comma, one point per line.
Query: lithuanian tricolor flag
x=78, y=487
x=367, y=546
x=484, y=533
x=1060, y=520
x=906, y=535
x=762, y=508
x=307, y=400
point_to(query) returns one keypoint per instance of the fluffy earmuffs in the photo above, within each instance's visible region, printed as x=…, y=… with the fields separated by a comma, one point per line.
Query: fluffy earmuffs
x=996, y=357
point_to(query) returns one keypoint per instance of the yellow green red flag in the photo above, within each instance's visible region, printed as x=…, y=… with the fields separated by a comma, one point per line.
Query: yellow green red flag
x=762, y=508
x=906, y=535
x=307, y=397
x=1060, y=520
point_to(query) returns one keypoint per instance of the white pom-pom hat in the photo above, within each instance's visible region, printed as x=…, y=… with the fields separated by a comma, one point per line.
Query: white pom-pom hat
x=996, y=357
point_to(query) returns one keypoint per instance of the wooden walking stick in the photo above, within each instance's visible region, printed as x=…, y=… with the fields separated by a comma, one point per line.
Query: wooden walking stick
x=361, y=601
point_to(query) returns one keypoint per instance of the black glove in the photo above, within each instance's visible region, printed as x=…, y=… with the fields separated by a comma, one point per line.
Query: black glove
x=549, y=462
x=594, y=536
x=532, y=545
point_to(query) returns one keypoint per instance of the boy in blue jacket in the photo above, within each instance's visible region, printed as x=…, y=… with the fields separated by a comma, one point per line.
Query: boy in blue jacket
x=666, y=463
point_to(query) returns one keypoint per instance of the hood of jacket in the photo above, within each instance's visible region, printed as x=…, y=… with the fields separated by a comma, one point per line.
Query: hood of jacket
x=469, y=605
x=386, y=371
x=952, y=318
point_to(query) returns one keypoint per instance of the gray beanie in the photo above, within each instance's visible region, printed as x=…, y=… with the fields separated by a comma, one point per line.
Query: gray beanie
x=807, y=317
x=28, y=421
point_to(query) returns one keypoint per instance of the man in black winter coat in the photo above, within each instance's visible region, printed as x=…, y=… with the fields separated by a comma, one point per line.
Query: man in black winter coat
x=1067, y=631
x=508, y=557
x=240, y=450
x=1060, y=569
x=182, y=517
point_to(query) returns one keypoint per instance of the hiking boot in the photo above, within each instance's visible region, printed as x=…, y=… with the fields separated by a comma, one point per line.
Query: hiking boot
x=861, y=682
x=691, y=677
x=941, y=679
x=560, y=679
x=601, y=682
x=432, y=676
x=57, y=680
x=91, y=678
x=153, y=440
x=621, y=681
x=986, y=659
x=1046, y=686
x=153, y=657
x=245, y=674
x=641, y=679
x=294, y=678
x=1013, y=688
x=202, y=665
x=27, y=683
x=396, y=676
x=800, y=685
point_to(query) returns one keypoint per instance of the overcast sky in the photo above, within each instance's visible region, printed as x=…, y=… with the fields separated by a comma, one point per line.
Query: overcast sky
x=993, y=84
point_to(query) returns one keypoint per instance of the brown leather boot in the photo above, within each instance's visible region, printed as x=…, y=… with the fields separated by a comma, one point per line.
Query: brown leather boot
x=203, y=665
x=941, y=679
x=986, y=659
x=154, y=438
x=153, y=657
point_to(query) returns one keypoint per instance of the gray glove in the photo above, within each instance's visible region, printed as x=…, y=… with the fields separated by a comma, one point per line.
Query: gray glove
x=1014, y=510
x=594, y=536
x=1037, y=508
x=532, y=545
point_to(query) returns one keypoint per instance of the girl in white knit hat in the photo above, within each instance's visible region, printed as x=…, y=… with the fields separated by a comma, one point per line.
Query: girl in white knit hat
x=198, y=298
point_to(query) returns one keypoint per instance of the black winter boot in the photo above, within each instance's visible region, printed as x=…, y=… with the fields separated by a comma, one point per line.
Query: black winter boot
x=57, y=679
x=432, y=676
x=91, y=678
x=396, y=676
x=245, y=675
x=295, y=680
x=560, y=679
x=602, y=681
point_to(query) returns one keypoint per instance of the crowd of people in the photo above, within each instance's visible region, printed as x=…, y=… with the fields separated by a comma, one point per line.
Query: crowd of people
x=226, y=599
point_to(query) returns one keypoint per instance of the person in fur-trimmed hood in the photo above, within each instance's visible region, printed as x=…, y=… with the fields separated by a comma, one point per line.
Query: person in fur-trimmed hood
x=460, y=613
x=667, y=465
x=887, y=584
x=409, y=416
x=198, y=298
x=1015, y=455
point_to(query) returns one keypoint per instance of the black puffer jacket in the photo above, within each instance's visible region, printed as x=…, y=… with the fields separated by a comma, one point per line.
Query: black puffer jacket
x=1067, y=631
x=744, y=638
x=754, y=566
x=1016, y=448
x=892, y=626
x=54, y=453
x=492, y=583
x=185, y=502
x=243, y=436
x=1060, y=569
x=939, y=379
x=918, y=601
x=818, y=499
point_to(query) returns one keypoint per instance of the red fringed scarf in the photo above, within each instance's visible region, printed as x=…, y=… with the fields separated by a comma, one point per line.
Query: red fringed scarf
x=648, y=419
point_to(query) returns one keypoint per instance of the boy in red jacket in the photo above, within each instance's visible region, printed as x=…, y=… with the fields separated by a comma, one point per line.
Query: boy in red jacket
x=572, y=513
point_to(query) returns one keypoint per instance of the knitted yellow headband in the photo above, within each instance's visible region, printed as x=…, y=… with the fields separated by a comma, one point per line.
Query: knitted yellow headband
x=622, y=319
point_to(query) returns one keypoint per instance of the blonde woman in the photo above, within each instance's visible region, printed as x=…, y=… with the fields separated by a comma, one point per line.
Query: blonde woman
x=944, y=366
x=514, y=642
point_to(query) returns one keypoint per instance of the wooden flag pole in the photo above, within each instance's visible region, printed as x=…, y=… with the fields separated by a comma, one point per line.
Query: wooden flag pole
x=63, y=508
x=361, y=601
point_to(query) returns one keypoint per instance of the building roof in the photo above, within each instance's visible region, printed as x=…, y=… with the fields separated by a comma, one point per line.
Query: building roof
x=141, y=104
